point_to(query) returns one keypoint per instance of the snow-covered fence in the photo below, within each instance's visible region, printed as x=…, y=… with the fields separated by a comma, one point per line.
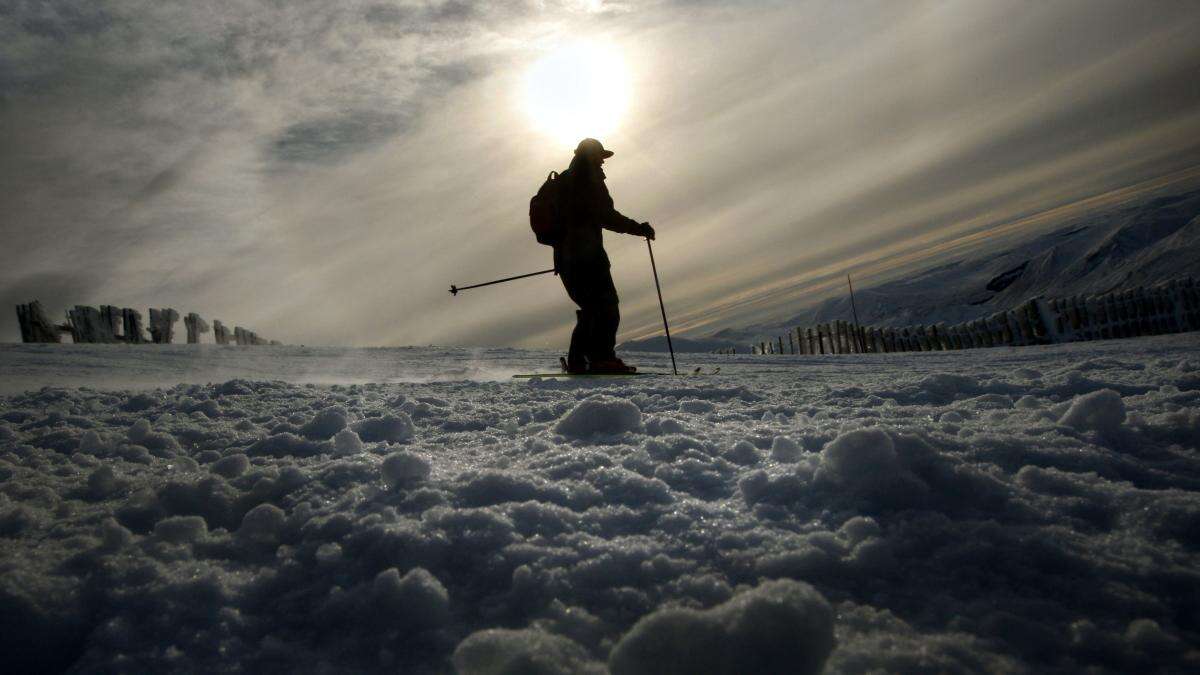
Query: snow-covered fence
x=1169, y=307
x=35, y=325
x=110, y=324
x=195, y=326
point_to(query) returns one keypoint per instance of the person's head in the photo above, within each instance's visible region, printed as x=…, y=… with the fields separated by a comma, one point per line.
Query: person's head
x=593, y=151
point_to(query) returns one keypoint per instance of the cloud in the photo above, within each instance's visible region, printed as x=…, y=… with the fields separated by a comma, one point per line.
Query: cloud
x=334, y=138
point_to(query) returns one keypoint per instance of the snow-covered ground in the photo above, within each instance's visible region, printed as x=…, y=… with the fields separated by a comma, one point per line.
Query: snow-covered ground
x=986, y=510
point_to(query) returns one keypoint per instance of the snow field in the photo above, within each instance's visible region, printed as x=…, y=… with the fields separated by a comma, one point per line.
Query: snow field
x=1001, y=510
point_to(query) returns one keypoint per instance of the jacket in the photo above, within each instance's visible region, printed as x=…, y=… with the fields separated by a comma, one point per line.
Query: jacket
x=588, y=210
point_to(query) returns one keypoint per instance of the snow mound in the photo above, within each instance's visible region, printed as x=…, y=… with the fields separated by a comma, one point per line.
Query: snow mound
x=346, y=442
x=402, y=468
x=600, y=415
x=526, y=652
x=231, y=466
x=263, y=524
x=781, y=626
x=784, y=449
x=416, y=600
x=861, y=460
x=394, y=428
x=181, y=529
x=1102, y=411
x=325, y=424
x=974, y=524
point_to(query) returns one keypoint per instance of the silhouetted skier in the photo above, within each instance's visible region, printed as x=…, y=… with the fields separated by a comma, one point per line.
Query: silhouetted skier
x=583, y=265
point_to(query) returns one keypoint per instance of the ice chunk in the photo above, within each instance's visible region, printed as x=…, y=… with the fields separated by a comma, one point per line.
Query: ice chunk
x=781, y=626
x=859, y=528
x=600, y=415
x=1028, y=402
x=90, y=443
x=143, y=435
x=784, y=449
x=865, y=457
x=416, y=600
x=181, y=529
x=263, y=524
x=329, y=553
x=282, y=445
x=744, y=453
x=400, y=468
x=231, y=466
x=113, y=536
x=325, y=424
x=394, y=428
x=534, y=652
x=1102, y=411
x=696, y=406
x=346, y=442
x=1147, y=636
x=947, y=386
x=104, y=482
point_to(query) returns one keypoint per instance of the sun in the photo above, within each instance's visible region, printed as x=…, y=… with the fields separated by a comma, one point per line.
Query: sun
x=577, y=91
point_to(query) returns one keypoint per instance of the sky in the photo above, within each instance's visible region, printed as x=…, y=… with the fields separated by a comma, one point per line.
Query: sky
x=322, y=172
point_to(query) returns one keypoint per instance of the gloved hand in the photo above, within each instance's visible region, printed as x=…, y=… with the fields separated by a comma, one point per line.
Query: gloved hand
x=646, y=231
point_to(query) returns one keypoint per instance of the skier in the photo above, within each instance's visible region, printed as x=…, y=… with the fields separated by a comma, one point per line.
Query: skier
x=583, y=265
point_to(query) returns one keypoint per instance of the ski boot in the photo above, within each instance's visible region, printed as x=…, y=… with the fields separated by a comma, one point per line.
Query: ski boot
x=612, y=366
x=572, y=367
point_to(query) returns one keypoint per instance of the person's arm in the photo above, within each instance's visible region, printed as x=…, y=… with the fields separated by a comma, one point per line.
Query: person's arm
x=614, y=220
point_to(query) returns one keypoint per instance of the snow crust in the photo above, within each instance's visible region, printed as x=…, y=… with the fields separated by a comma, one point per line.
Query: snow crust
x=1032, y=509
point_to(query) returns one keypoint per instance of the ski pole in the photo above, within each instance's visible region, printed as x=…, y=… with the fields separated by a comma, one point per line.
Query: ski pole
x=455, y=289
x=661, y=306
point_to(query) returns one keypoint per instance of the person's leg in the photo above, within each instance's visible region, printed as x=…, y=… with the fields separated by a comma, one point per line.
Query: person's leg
x=580, y=338
x=581, y=335
x=605, y=317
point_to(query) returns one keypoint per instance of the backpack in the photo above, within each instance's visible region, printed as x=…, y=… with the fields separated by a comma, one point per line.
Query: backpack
x=546, y=211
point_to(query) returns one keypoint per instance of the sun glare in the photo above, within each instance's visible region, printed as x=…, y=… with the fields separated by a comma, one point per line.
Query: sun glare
x=578, y=91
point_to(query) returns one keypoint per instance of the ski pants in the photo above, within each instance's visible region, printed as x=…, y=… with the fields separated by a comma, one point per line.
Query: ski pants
x=591, y=287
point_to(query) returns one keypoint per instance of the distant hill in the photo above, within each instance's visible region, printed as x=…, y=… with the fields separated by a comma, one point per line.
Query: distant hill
x=1129, y=246
x=681, y=344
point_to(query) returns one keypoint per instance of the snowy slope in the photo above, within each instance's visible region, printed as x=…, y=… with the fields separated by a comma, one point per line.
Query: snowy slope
x=999, y=510
x=1126, y=247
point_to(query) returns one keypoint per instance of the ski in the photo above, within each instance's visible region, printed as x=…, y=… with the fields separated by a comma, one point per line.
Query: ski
x=695, y=373
x=562, y=362
x=589, y=375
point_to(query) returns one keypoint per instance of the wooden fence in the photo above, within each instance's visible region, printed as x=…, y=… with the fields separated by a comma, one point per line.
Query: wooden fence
x=110, y=324
x=1170, y=307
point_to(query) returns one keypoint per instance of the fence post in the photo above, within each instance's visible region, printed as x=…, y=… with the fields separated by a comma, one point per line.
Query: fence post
x=162, y=325
x=35, y=325
x=134, y=332
x=195, y=326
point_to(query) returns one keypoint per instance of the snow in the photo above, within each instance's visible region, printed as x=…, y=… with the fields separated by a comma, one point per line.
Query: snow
x=400, y=468
x=600, y=415
x=779, y=626
x=1102, y=411
x=1024, y=509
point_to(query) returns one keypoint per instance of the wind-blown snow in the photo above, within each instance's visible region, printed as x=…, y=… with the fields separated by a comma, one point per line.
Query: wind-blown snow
x=987, y=510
